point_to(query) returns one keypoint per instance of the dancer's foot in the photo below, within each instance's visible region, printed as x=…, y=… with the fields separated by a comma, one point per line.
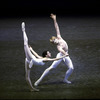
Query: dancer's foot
x=34, y=90
x=66, y=81
x=36, y=83
x=23, y=26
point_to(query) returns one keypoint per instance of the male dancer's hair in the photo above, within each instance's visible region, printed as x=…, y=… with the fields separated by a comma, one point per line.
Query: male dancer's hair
x=52, y=39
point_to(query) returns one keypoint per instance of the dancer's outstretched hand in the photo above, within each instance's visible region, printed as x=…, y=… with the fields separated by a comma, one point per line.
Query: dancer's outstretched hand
x=53, y=16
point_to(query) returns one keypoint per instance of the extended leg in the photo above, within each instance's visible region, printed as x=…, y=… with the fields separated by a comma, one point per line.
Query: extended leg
x=28, y=77
x=24, y=34
x=28, y=53
x=43, y=75
x=54, y=65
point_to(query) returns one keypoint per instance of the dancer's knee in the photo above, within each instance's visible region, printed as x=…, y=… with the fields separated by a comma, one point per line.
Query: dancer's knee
x=71, y=69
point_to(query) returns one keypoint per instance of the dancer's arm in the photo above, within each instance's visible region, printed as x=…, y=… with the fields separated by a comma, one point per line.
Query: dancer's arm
x=53, y=59
x=56, y=25
x=35, y=54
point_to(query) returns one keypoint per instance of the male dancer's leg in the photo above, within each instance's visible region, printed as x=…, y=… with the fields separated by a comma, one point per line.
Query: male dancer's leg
x=54, y=65
x=68, y=62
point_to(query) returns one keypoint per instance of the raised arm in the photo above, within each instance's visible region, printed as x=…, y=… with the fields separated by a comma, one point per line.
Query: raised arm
x=56, y=25
x=35, y=54
x=54, y=59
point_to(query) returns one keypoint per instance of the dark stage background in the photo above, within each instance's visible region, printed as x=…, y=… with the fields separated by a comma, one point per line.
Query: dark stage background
x=17, y=8
x=79, y=22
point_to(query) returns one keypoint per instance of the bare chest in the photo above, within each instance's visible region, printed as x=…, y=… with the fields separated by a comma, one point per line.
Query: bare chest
x=62, y=44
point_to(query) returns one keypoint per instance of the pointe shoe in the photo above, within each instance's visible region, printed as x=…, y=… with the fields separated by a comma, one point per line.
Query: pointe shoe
x=66, y=81
x=23, y=26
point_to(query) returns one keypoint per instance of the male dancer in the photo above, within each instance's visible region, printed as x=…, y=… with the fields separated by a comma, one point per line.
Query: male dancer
x=63, y=50
x=34, y=58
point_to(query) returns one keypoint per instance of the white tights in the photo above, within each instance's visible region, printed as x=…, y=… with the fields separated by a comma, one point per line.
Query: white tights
x=67, y=62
